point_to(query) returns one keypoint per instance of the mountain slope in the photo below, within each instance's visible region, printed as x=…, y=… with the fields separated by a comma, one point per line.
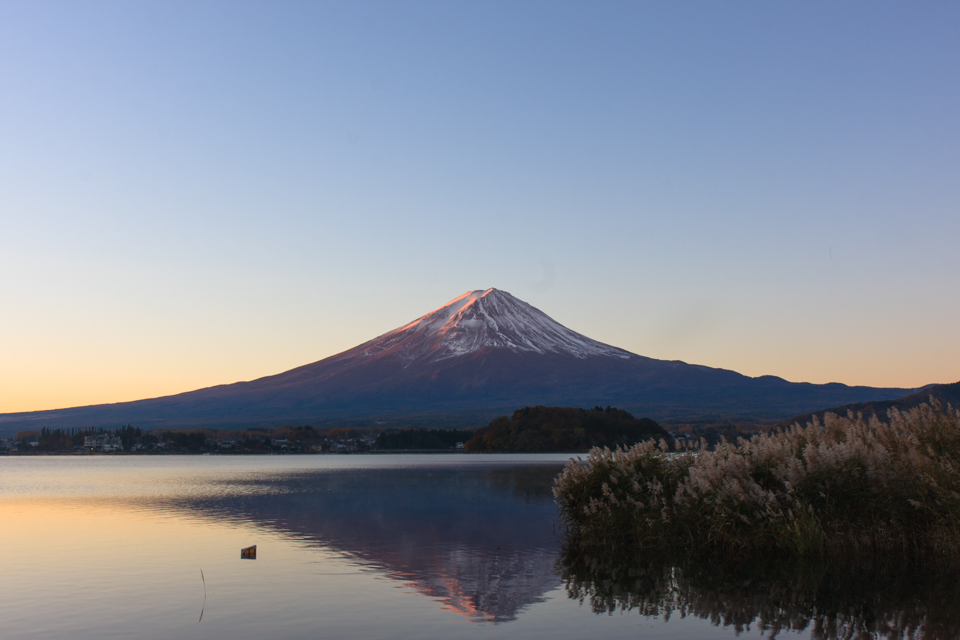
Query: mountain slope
x=482, y=354
x=945, y=394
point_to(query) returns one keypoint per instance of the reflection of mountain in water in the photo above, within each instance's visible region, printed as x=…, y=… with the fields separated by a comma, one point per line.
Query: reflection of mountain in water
x=479, y=540
x=852, y=601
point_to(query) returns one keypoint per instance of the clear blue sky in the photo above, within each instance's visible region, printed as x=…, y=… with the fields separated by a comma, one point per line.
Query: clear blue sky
x=195, y=193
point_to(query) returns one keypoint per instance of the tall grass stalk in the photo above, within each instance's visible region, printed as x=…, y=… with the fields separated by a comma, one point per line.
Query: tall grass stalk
x=844, y=485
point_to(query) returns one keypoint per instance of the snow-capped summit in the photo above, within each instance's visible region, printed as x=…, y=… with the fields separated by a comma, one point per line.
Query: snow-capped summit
x=484, y=319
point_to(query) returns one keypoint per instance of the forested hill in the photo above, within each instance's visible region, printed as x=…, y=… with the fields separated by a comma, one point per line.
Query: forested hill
x=943, y=393
x=563, y=429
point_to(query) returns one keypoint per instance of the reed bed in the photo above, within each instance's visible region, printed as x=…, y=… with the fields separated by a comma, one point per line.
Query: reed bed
x=841, y=486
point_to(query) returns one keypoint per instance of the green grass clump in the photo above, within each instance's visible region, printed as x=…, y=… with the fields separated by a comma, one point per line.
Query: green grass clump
x=840, y=486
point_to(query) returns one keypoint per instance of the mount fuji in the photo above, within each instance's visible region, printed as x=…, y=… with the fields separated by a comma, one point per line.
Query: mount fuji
x=482, y=354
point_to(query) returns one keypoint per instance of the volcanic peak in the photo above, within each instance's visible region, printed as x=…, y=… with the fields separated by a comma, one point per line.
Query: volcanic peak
x=484, y=319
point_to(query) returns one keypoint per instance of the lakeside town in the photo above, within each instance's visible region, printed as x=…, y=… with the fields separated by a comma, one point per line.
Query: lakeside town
x=528, y=430
x=296, y=439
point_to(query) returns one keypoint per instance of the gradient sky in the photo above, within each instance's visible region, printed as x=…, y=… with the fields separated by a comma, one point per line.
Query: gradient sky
x=194, y=193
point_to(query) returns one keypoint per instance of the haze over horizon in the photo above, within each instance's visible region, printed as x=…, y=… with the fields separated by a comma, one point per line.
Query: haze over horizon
x=194, y=194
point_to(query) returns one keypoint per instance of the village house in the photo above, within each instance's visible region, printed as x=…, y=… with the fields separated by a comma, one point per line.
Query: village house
x=102, y=442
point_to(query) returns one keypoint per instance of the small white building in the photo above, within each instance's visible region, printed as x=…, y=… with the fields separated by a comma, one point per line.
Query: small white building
x=102, y=442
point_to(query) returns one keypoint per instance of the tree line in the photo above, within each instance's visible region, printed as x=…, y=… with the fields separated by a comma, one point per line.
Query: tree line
x=536, y=429
x=57, y=440
x=412, y=439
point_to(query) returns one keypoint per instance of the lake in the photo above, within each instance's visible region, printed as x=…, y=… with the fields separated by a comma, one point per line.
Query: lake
x=384, y=546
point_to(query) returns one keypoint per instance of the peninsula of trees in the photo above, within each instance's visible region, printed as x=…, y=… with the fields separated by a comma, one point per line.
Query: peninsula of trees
x=563, y=429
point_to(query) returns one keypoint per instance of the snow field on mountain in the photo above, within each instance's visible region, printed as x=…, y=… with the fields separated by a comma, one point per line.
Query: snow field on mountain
x=485, y=319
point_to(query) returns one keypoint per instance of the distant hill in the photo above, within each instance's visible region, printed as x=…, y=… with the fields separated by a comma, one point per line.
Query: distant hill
x=943, y=393
x=479, y=356
x=563, y=429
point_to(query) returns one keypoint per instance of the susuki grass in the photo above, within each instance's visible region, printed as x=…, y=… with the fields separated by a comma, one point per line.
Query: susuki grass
x=844, y=485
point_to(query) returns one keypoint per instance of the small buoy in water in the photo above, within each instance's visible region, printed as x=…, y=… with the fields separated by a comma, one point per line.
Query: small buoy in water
x=249, y=553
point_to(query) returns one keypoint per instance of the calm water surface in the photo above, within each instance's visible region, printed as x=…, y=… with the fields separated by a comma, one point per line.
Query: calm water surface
x=400, y=546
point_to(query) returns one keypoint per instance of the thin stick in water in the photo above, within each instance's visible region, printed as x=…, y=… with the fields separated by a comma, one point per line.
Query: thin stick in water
x=204, y=580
